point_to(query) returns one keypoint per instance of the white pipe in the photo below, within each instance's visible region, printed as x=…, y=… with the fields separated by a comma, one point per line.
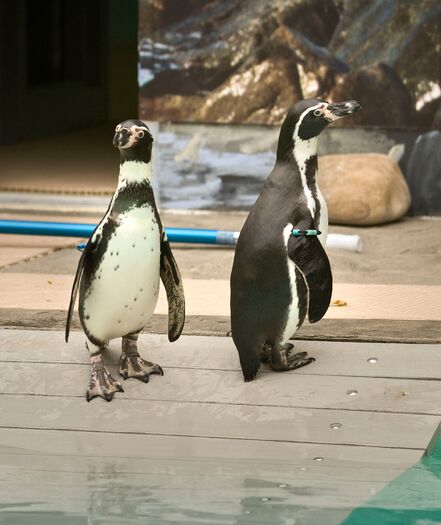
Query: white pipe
x=340, y=241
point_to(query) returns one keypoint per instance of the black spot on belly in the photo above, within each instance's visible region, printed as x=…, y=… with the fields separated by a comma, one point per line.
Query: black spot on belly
x=133, y=245
x=140, y=289
x=135, y=299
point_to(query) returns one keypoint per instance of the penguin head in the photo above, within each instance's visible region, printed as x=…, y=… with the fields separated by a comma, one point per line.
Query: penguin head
x=132, y=134
x=308, y=118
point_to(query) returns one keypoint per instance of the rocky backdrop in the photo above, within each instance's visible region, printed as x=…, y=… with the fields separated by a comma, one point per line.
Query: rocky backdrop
x=247, y=61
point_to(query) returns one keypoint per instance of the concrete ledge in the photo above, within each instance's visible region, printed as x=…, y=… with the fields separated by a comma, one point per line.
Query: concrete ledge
x=368, y=330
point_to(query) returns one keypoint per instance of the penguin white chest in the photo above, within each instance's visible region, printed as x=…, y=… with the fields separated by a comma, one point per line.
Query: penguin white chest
x=293, y=309
x=124, y=291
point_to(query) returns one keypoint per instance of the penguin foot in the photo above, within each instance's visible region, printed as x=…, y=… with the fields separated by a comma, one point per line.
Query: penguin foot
x=282, y=359
x=101, y=383
x=132, y=365
x=265, y=355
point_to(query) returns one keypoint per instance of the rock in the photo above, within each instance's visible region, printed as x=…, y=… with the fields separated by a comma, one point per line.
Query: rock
x=404, y=35
x=176, y=108
x=426, y=114
x=436, y=122
x=258, y=95
x=155, y=14
x=317, y=66
x=386, y=50
x=385, y=99
x=224, y=43
x=363, y=189
x=423, y=174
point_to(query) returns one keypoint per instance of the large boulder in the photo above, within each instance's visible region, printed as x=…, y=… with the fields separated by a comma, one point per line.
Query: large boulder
x=258, y=95
x=385, y=99
x=423, y=174
x=363, y=189
x=402, y=34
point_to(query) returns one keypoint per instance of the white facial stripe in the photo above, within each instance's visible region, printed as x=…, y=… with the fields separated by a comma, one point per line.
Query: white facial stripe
x=134, y=130
x=304, y=150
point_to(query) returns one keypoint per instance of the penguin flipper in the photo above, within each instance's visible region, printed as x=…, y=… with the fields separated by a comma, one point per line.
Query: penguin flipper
x=73, y=295
x=308, y=254
x=172, y=281
x=88, y=249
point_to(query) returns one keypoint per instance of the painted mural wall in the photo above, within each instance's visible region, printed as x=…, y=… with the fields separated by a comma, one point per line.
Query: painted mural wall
x=247, y=61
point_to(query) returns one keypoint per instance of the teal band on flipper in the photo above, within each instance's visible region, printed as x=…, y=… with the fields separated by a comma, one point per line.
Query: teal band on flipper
x=307, y=233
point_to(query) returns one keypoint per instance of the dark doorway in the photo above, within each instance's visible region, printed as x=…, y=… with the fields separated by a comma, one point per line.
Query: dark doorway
x=56, y=60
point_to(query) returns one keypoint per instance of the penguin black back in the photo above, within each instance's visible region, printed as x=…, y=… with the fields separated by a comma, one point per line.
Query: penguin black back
x=278, y=279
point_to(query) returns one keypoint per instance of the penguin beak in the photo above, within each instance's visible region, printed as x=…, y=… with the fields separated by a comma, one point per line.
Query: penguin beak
x=342, y=109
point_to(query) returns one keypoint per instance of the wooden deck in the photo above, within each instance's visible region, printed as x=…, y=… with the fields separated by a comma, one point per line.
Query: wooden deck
x=201, y=446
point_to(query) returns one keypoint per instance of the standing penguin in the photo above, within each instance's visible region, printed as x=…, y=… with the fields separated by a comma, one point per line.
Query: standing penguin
x=119, y=270
x=279, y=278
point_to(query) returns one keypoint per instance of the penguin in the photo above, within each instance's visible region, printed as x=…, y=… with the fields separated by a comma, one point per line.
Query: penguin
x=279, y=279
x=119, y=270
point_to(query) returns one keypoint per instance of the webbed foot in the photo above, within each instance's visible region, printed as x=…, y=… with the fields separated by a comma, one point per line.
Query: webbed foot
x=282, y=358
x=265, y=355
x=133, y=365
x=101, y=383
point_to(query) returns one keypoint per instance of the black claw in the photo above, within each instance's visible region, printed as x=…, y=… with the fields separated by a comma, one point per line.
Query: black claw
x=88, y=398
x=145, y=378
x=124, y=375
x=108, y=397
x=120, y=388
x=161, y=371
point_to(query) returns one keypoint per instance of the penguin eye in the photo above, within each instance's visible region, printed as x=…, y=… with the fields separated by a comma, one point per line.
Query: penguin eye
x=318, y=112
x=140, y=134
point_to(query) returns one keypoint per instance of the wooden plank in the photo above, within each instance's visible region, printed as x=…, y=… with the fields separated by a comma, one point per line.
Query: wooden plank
x=266, y=454
x=359, y=472
x=333, y=358
x=221, y=421
x=181, y=476
x=220, y=386
x=72, y=480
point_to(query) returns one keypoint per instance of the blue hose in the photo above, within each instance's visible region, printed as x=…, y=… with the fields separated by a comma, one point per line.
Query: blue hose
x=70, y=229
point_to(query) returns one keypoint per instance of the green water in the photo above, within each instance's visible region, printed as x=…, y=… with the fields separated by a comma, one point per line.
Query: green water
x=414, y=498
